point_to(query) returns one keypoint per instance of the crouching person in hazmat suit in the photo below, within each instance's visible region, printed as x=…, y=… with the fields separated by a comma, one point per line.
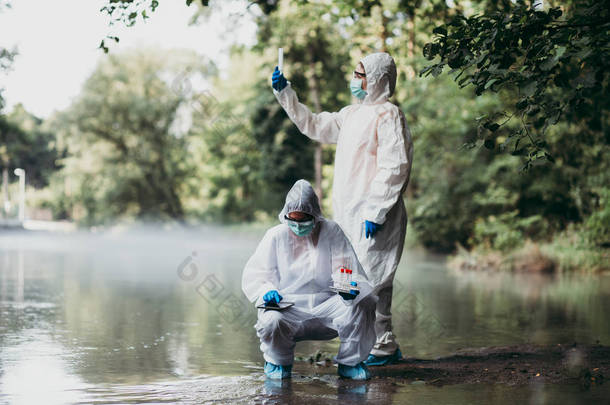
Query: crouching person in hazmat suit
x=372, y=167
x=295, y=262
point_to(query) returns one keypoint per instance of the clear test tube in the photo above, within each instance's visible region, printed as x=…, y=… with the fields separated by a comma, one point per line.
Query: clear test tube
x=341, y=277
x=349, y=278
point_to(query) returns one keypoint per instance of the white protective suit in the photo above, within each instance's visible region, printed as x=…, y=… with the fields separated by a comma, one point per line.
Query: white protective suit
x=300, y=269
x=372, y=167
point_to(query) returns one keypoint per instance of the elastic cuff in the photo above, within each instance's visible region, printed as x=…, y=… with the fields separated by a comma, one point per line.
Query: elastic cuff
x=277, y=93
x=386, y=351
x=374, y=217
x=262, y=291
x=279, y=360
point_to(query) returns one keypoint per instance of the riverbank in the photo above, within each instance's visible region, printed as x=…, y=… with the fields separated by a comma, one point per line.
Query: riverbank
x=585, y=365
x=37, y=225
x=517, y=365
x=567, y=252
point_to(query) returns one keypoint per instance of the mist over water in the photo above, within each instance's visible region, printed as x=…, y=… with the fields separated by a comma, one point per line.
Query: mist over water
x=156, y=314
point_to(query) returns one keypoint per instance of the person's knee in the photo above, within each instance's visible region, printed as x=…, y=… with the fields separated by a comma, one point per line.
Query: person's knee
x=357, y=315
x=269, y=323
x=367, y=304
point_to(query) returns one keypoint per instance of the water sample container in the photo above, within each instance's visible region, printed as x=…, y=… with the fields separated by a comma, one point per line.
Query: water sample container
x=352, y=291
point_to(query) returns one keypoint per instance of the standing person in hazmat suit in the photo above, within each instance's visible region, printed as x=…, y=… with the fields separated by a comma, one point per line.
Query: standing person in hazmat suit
x=295, y=262
x=372, y=167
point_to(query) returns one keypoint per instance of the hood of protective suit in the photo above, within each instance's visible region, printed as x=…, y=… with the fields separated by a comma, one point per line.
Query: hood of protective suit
x=302, y=197
x=380, y=72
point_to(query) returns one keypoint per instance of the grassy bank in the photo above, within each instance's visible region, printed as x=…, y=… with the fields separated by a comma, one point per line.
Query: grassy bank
x=569, y=251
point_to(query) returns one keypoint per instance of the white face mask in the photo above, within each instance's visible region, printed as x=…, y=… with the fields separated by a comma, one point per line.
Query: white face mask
x=300, y=228
x=356, y=87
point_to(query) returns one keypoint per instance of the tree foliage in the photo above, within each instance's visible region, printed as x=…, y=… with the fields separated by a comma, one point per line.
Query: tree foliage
x=552, y=66
x=25, y=143
x=530, y=81
x=126, y=157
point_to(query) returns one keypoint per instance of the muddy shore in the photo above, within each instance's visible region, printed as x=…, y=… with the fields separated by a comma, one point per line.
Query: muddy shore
x=513, y=365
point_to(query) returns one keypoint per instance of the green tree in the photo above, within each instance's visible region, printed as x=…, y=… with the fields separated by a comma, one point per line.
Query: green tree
x=225, y=182
x=533, y=95
x=25, y=143
x=126, y=155
x=317, y=63
x=550, y=66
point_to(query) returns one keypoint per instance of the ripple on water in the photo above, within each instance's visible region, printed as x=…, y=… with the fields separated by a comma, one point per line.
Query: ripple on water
x=27, y=304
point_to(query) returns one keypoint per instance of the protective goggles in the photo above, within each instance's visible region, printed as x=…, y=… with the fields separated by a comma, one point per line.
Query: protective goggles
x=306, y=219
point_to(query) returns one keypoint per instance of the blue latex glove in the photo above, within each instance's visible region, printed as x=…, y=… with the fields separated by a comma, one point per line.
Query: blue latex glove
x=278, y=81
x=371, y=228
x=272, y=297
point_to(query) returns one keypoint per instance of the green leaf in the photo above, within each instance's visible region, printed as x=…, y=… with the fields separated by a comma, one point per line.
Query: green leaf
x=533, y=110
x=492, y=126
x=528, y=88
x=549, y=64
x=464, y=80
x=103, y=47
x=441, y=30
x=490, y=83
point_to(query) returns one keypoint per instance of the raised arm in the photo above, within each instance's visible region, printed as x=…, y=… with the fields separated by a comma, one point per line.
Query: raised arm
x=261, y=273
x=323, y=127
x=394, y=156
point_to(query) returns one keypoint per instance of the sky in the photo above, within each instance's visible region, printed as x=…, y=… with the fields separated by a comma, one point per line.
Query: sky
x=58, y=44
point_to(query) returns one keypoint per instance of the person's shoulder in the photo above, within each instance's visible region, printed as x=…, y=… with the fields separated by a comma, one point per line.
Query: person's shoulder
x=389, y=111
x=332, y=227
x=389, y=107
x=276, y=231
x=347, y=109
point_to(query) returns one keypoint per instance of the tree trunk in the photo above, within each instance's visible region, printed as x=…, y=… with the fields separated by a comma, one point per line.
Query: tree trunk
x=384, y=32
x=411, y=45
x=4, y=192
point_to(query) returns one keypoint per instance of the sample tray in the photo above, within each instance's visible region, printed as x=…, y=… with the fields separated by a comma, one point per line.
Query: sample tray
x=343, y=290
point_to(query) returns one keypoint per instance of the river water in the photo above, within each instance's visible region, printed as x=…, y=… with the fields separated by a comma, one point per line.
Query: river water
x=157, y=315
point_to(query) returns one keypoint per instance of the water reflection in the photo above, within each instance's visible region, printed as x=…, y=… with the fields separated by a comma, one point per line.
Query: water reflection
x=442, y=311
x=156, y=316
x=38, y=360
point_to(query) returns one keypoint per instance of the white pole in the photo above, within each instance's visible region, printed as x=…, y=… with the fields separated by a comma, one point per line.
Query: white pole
x=280, y=59
x=21, y=173
x=6, y=203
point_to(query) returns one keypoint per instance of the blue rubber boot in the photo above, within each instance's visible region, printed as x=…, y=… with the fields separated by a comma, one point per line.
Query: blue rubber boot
x=384, y=360
x=357, y=372
x=277, y=372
